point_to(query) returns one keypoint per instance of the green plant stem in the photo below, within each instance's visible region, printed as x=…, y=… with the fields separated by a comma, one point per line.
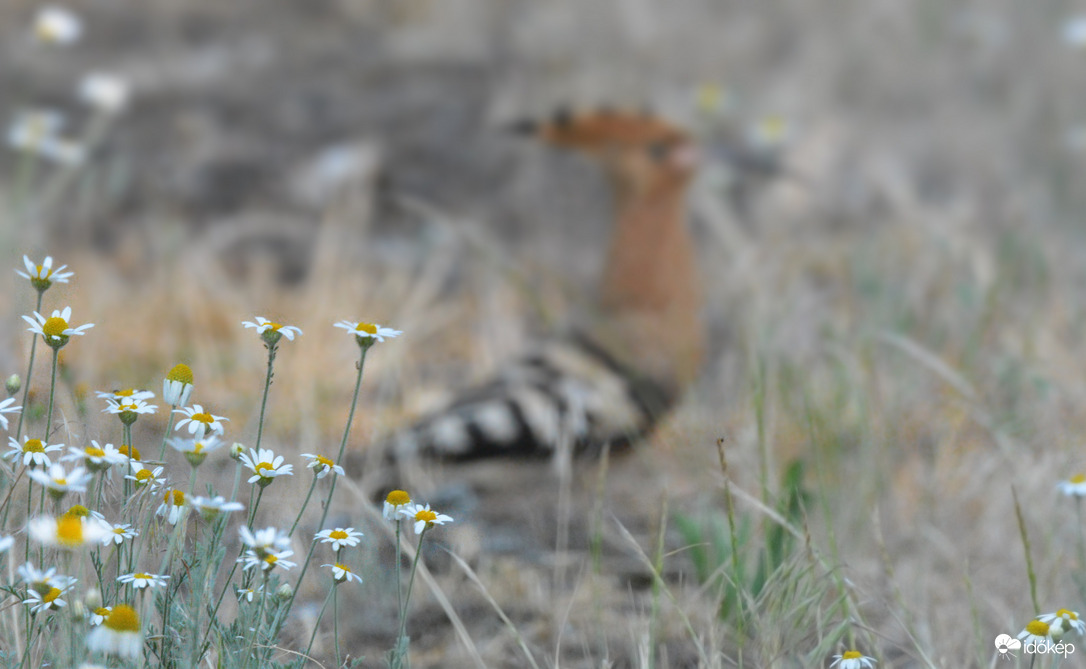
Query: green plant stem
x=317, y=624
x=52, y=393
x=398, y=659
x=29, y=372
x=301, y=510
x=267, y=386
x=165, y=436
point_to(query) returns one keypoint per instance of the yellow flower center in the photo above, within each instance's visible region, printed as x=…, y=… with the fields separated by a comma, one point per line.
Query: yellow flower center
x=1078, y=479
x=178, y=497
x=274, y=326
x=69, y=531
x=33, y=446
x=366, y=328
x=428, y=516
x=142, y=475
x=78, y=511
x=126, y=450
x=180, y=372
x=101, y=611
x=1064, y=613
x=55, y=326
x=203, y=418
x=197, y=447
x=398, y=498
x=851, y=655
x=125, y=393
x=271, y=559
x=93, y=452
x=142, y=575
x=260, y=468
x=325, y=461
x=51, y=596
x=1037, y=628
x=60, y=482
x=343, y=567
x=123, y=618
x=118, y=530
x=337, y=534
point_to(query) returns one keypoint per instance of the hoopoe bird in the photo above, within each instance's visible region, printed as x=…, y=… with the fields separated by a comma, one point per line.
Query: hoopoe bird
x=614, y=377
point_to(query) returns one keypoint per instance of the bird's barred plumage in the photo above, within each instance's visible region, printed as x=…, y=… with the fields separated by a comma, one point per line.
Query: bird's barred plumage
x=566, y=393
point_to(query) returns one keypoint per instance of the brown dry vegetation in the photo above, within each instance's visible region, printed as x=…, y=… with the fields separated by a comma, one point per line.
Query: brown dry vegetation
x=904, y=314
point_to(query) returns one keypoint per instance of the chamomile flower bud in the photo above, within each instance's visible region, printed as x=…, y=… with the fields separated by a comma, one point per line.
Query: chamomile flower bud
x=177, y=386
x=13, y=384
x=236, y=451
x=284, y=592
x=93, y=598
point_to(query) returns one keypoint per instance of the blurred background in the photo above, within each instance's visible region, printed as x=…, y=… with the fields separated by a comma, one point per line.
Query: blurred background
x=891, y=230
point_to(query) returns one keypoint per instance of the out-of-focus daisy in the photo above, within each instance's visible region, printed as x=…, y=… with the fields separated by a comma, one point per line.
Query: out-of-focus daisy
x=267, y=539
x=6, y=543
x=129, y=452
x=150, y=479
x=177, y=386
x=394, y=503
x=1061, y=622
x=271, y=332
x=129, y=410
x=8, y=406
x=37, y=132
x=57, y=25
x=248, y=593
x=108, y=93
x=200, y=422
x=196, y=450
x=125, y=395
x=55, y=329
x=211, y=508
x=32, y=452
x=424, y=517
x=368, y=333
x=119, y=634
x=118, y=533
x=342, y=573
x=98, y=615
x=68, y=532
x=266, y=562
x=80, y=511
x=769, y=133
x=96, y=457
x=853, y=659
x=1036, y=632
x=40, y=602
x=265, y=466
x=141, y=580
x=339, y=537
x=43, y=580
x=59, y=482
x=1074, y=32
x=43, y=276
x=173, y=505
x=1074, y=487
x=322, y=465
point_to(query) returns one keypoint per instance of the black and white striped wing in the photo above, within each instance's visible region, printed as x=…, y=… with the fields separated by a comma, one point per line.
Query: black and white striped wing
x=565, y=394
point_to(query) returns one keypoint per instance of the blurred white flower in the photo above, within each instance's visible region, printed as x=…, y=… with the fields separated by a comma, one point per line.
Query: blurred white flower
x=108, y=93
x=1074, y=32
x=57, y=25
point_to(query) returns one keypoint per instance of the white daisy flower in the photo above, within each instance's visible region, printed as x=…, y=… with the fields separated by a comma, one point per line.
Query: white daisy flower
x=211, y=508
x=57, y=25
x=199, y=421
x=38, y=579
x=141, y=580
x=119, y=634
x=96, y=457
x=37, y=132
x=1074, y=487
x=852, y=659
x=6, y=543
x=8, y=406
x=108, y=93
x=126, y=395
x=118, y=533
x=1074, y=32
x=368, y=333
x=248, y=594
x=196, y=450
x=271, y=332
x=265, y=465
x=322, y=465
x=266, y=562
x=151, y=479
x=173, y=506
x=58, y=481
x=129, y=406
x=32, y=452
x=55, y=329
x=97, y=616
x=67, y=532
x=50, y=600
x=267, y=539
x=1061, y=622
x=424, y=518
x=177, y=386
x=394, y=503
x=342, y=573
x=1036, y=632
x=43, y=276
x=339, y=537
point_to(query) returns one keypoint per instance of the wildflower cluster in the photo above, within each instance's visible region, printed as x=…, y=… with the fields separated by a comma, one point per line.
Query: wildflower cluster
x=142, y=581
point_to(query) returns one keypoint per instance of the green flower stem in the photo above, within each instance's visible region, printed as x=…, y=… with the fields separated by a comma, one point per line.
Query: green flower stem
x=52, y=393
x=317, y=625
x=257, y=621
x=301, y=510
x=166, y=436
x=399, y=659
x=126, y=440
x=267, y=386
x=399, y=567
x=29, y=372
x=335, y=621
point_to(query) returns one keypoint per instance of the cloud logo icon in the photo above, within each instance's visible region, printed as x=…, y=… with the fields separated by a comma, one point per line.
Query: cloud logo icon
x=1005, y=643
